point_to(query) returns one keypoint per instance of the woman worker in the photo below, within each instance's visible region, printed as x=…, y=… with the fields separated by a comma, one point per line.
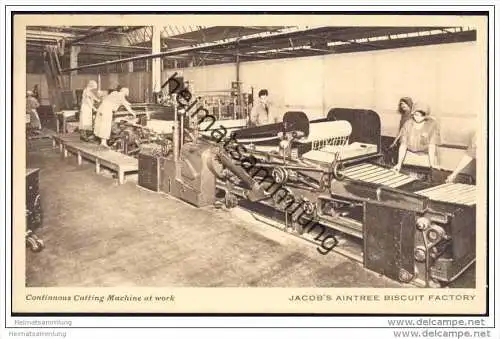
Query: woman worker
x=36, y=93
x=419, y=137
x=32, y=105
x=86, y=109
x=104, y=117
x=405, y=108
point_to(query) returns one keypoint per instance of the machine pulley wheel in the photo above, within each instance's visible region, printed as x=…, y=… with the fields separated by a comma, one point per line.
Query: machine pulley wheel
x=215, y=165
x=337, y=171
x=280, y=175
x=308, y=206
x=283, y=197
x=405, y=276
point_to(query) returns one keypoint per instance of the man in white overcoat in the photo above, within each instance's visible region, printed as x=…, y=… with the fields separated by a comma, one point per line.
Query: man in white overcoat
x=86, y=110
x=104, y=118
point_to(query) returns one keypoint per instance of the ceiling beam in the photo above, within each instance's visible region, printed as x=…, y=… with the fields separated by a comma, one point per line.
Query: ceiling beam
x=93, y=34
x=91, y=50
x=317, y=38
x=97, y=44
x=207, y=46
x=179, y=39
x=231, y=54
x=48, y=35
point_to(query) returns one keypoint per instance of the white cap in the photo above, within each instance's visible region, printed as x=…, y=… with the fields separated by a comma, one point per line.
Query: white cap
x=92, y=84
x=125, y=91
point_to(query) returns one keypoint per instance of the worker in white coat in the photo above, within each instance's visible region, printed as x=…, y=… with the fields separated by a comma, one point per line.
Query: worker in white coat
x=86, y=109
x=32, y=105
x=104, y=117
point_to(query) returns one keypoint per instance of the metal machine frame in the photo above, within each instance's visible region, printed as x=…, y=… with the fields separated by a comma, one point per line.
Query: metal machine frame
x=380, y=218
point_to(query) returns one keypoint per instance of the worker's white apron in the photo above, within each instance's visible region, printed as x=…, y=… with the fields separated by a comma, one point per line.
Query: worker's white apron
x=35, y=119
x=417, y=159
x=103, y=120
x=85, y=116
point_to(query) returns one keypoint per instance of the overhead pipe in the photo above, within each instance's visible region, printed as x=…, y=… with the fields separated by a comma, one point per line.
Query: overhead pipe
x=93, y=34
x=218, y=44
x=46, y=34
x=95, y=44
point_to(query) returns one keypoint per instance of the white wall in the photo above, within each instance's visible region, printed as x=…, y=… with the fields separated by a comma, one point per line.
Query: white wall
x=448, y=77
x=444, y=76
x=208, y=78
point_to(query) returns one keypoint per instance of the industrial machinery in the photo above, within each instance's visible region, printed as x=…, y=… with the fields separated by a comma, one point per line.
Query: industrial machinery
x=127, y=136
x=130, y=135
x=187, y=170
x=155, y=122
x=34, y=215
x=226, y=106
x=159, y=162
x=405, y=228
x=324, y=180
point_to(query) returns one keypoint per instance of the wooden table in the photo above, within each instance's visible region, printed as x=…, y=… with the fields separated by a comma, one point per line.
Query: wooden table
x=120, y=163
x=64, y=116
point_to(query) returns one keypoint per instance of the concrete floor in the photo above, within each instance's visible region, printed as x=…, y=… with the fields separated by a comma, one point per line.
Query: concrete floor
x=97, y=233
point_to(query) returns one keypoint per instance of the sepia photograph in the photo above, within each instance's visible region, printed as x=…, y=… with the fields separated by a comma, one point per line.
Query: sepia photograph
x=225, y=163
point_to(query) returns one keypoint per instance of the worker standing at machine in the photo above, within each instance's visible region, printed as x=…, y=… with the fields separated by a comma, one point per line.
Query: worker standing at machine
x=32, y=105
x=36, y=93
x=86, y=110
x=260, y=114
x=104, y=117
x=405, y=108
x=470, y=154
x=419, y=137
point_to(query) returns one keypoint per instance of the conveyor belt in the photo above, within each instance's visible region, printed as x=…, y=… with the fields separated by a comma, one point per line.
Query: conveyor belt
x=452, y=193
x=377, y=175
x=328, y=153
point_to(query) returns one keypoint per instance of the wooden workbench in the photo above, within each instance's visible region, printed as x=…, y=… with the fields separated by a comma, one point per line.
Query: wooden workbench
x=61, y=119
x=120, y=163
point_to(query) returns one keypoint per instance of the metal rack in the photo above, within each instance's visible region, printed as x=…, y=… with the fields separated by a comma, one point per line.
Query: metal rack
x=225, y=106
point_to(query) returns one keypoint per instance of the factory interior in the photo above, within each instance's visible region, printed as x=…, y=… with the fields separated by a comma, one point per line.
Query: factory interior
x=251, y=156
